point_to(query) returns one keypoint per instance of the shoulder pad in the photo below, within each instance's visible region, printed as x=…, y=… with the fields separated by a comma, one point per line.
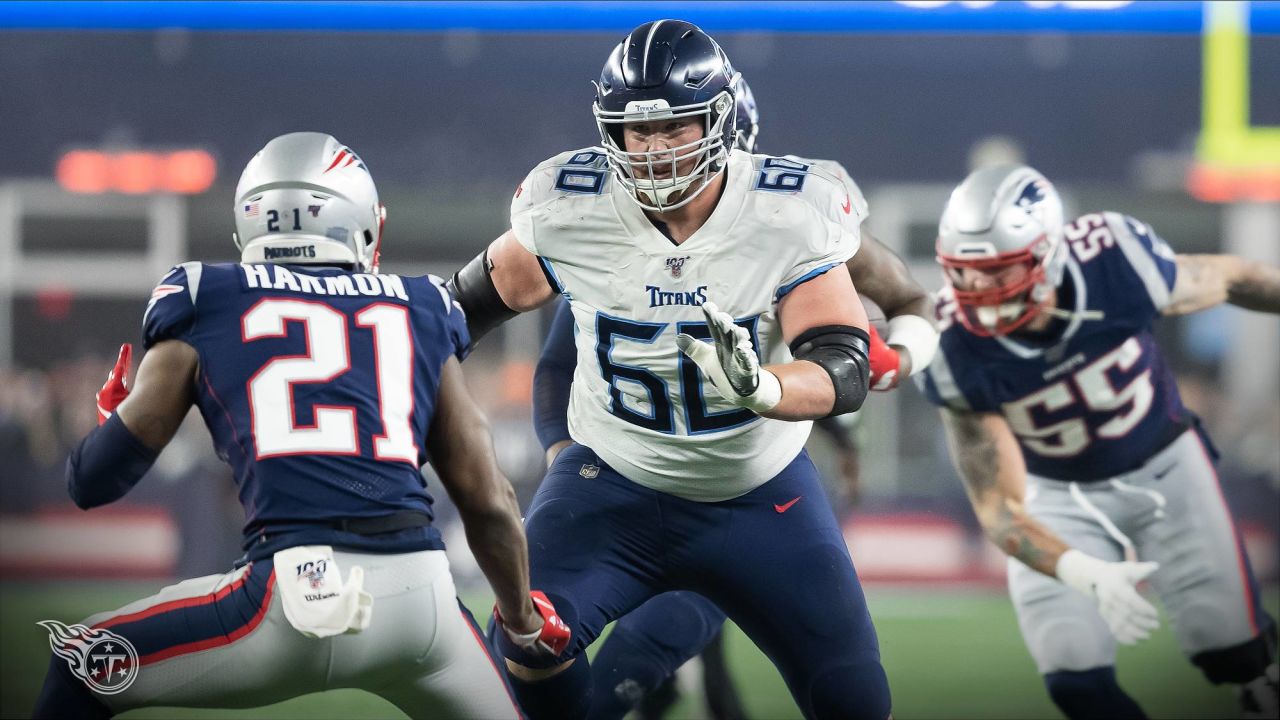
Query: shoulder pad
x=172, y=308
x=821, y=184
x=576, y=172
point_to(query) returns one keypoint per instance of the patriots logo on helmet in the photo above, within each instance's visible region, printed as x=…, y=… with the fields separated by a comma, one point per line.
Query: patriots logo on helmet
x=105, y=661
x=346, y=157
x=1032, y=193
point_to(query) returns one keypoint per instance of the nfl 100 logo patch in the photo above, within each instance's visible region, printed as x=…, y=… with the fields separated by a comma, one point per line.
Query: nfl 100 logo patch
x=103, y=660
x=675, y=265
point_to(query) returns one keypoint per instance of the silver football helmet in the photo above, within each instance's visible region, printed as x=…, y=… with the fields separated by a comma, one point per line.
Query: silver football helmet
x=1000, y=217
x=306, y=198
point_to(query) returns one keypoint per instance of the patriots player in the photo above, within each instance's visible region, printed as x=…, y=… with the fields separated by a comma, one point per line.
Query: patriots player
x=688, y=469
x=1081, y=462
x=326, y=386
x=649, y=644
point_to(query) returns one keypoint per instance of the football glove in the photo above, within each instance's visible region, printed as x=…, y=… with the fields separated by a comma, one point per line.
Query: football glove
x=552, y=638
x=730, y=362
x=1112, y=584
x=114, y=391
x=885, y=362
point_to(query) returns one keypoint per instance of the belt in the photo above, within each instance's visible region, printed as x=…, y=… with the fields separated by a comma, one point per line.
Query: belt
x=400, y=520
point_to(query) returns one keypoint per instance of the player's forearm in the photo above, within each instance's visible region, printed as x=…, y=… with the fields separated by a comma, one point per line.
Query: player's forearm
x=807, y=391
x=1020, y=536
x=497, y=541
x=106, y=464
x=993, y=478
x=1255, y=286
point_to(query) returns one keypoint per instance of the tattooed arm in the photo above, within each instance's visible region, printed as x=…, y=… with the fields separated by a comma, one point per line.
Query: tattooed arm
x=1207, y=280
x=989, y=460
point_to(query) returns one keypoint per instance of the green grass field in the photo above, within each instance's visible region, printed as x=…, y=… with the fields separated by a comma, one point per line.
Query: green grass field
x=949, y=654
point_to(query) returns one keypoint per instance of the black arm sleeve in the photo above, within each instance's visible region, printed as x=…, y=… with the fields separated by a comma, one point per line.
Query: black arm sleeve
x=106, y=464
x=472, y=286
x=553, y=378
x=841, y=350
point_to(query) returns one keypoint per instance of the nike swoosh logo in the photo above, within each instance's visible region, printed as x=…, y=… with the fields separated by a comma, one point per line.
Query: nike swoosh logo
x=848, y=205
x=787, y=505
x=1164, y=472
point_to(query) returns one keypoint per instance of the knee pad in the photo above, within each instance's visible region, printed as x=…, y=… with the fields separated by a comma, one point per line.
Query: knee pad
x=1241, y=663
x=1091, y=693
x=674, y=625
x=853, y=692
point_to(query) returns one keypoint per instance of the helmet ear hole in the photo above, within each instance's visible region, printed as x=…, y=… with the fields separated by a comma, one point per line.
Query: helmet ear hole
x=368, y=238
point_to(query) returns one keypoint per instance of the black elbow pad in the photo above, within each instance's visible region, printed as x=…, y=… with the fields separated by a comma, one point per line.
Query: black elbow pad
x=472, y=286
x=841, y=350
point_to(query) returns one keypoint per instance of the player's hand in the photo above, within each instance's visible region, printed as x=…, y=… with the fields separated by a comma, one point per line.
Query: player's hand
x=1113, y=585
x=730, y=362
x=552, y=637
x=114, y=391
x=885, y=362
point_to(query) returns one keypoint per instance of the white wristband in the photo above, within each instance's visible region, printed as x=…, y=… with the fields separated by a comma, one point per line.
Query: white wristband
x=917, y=336
x=767, y=395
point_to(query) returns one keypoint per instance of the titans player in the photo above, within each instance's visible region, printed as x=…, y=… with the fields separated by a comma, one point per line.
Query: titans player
x=649, y=644
x=710, y=332
x=1075, y=449
x=326, y=386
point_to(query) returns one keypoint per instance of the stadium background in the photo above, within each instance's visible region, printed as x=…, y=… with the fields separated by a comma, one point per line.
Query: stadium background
x=125, y=127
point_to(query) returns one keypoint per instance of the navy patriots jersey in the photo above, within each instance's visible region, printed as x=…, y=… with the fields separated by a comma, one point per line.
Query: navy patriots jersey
x=1095, y=398
x=318, y=386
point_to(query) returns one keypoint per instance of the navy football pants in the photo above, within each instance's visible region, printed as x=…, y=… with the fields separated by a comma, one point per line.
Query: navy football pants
x=774, y=560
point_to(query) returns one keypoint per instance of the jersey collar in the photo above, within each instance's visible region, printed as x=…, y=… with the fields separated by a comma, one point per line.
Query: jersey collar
x=732, y=200
x=1026, y=351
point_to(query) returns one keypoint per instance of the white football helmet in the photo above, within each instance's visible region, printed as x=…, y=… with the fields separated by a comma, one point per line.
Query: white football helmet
x=1002, y=216
x=306, y=198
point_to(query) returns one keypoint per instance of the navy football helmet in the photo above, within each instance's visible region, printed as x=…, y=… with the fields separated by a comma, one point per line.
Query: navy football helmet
x=748, y=118
x=663, y=70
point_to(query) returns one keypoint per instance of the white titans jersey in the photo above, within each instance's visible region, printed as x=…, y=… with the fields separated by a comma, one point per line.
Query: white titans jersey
x=859, y=209
x=637, y=401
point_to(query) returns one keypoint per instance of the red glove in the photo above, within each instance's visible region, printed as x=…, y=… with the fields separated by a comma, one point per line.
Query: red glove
x=114, y=391
x=552, y=638
x=885, y=362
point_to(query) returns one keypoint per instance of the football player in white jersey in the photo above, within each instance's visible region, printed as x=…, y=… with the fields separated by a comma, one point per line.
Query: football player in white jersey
x=635, y=666
x=1081, y=462
x=688, y=470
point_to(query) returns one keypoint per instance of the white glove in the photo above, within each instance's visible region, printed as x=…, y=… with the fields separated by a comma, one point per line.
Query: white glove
x=1130, y=617
x=731, y=364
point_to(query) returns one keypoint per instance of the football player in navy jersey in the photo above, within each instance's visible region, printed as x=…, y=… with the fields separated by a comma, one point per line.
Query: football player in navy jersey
x=635, y=665
x=326, y=386
x=1078, y=456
